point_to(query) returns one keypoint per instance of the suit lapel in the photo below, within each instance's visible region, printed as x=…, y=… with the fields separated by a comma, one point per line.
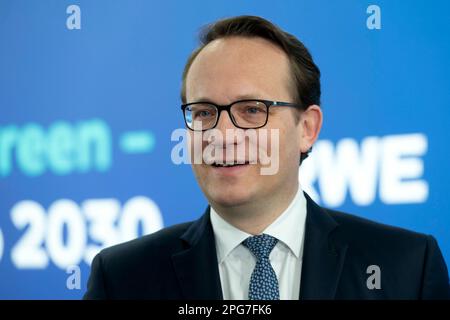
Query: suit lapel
x=197, y=270
x=323, y=254
x=196, y=267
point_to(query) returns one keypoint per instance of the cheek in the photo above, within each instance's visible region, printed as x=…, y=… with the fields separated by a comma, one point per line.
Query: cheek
x=190, y=146
x=285, y=143
x=195, y=147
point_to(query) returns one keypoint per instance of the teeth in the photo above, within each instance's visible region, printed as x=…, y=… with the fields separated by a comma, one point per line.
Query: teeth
x=228, y=164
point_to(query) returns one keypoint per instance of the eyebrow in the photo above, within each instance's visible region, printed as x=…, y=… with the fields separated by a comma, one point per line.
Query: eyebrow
x=239, y=97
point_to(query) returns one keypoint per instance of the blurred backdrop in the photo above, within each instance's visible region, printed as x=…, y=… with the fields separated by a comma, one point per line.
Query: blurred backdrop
x=89, y=99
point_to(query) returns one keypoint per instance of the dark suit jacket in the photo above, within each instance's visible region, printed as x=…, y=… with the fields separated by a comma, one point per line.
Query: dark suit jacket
x=180, y=262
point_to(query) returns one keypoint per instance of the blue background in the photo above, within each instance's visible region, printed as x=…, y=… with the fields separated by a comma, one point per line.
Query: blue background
x=124, y=67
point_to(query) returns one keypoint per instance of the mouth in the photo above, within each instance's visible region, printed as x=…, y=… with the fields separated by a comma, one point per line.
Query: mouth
x=230, y=169
x=230, y=165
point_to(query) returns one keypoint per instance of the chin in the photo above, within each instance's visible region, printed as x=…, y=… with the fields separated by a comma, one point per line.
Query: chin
x=230, y=198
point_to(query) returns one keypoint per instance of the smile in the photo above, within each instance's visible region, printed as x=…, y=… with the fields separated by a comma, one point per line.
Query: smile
x=228, y=165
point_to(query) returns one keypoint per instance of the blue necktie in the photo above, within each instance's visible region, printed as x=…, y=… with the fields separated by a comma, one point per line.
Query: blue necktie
x=263, y=281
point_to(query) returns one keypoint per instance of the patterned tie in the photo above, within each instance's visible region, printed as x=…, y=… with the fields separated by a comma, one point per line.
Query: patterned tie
x=263, y=281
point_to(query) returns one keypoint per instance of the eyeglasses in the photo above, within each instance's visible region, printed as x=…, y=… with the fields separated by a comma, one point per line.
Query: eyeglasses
x=245, y=114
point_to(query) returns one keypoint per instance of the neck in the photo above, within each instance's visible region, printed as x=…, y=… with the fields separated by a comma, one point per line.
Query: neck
x=255, y=217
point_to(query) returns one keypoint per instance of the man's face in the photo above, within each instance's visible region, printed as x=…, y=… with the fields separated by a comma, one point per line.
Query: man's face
x=236, y=68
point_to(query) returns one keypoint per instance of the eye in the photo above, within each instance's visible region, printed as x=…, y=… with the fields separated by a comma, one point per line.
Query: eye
x=252, y=109
x=205, y=113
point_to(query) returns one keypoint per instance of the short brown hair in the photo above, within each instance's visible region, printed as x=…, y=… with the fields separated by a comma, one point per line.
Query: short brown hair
x=305, y=74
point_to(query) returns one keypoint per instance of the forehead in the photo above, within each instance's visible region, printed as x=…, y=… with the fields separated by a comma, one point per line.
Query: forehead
x=239, y=66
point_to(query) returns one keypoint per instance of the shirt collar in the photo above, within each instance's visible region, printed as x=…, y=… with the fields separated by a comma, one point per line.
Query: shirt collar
x=227, y=236
x=287, y=228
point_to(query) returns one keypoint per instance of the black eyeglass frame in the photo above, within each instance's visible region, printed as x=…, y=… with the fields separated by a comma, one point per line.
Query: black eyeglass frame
x=227, y=108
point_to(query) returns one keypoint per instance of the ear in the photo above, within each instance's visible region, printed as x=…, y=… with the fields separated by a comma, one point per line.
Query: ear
x=310, y=125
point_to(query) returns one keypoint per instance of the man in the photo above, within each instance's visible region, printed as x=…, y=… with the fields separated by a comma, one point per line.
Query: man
x=262, y=237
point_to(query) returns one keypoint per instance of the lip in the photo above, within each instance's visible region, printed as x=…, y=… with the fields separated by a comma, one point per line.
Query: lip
x=230, y=171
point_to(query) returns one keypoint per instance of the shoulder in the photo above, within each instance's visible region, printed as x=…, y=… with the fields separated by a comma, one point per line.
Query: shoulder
x=363, y=226
x=404, y=257
x=363, y=234
x=137, y=268
x=162, y=243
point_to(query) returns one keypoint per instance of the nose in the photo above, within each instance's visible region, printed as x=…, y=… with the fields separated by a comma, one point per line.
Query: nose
x=230, y=135
x=224, y=122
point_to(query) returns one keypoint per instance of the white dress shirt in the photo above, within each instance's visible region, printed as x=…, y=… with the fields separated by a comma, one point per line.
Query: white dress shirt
x=236, y=262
